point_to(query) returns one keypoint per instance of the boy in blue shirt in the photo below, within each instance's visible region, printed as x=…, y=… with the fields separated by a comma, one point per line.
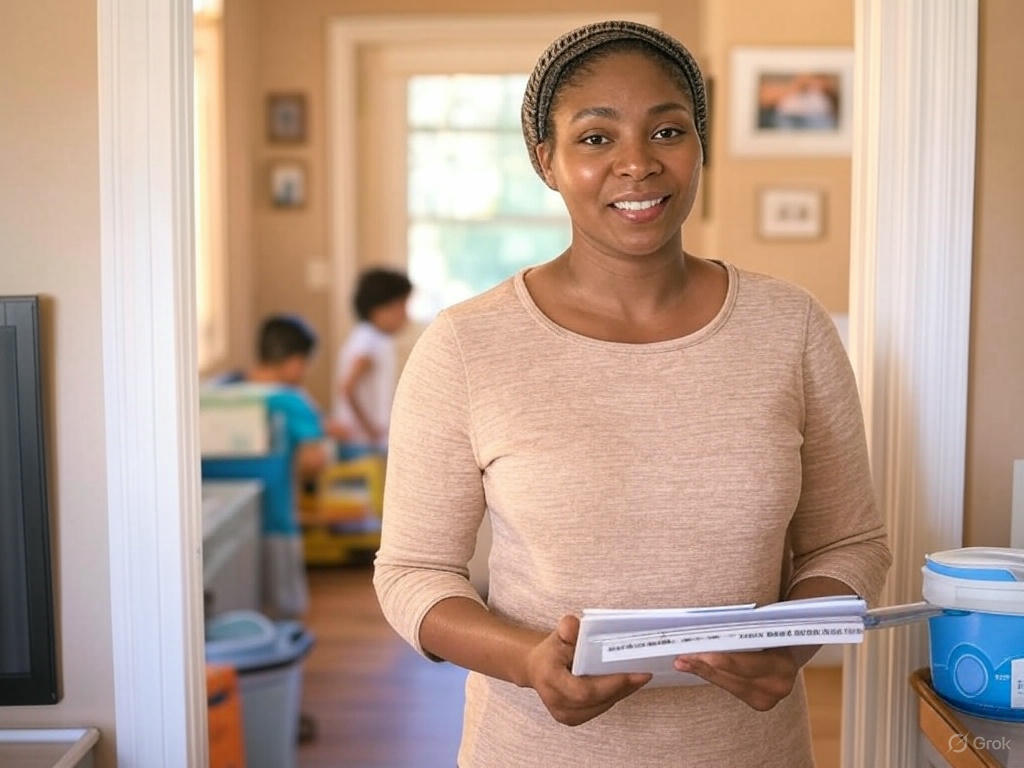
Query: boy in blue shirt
x=284, y=349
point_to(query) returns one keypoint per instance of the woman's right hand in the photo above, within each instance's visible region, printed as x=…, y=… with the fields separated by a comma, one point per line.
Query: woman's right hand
x=573, y=700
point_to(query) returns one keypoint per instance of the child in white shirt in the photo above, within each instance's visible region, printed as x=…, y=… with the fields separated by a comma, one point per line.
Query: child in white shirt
x=365, y=378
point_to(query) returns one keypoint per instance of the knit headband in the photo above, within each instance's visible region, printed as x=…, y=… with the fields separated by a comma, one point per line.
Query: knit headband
x=547, y=74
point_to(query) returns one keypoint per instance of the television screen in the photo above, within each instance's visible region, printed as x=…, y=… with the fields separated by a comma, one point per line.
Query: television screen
x=14, y=657
x=27, y=651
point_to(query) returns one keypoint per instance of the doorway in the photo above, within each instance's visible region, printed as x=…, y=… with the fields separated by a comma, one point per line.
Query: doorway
x=149, y=403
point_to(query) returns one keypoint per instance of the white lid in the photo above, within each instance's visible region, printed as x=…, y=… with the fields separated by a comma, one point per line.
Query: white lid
x=982, y=558
x=986, y=579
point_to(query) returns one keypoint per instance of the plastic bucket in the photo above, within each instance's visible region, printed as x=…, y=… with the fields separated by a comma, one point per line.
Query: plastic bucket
x=268, y=658
x=977, y=644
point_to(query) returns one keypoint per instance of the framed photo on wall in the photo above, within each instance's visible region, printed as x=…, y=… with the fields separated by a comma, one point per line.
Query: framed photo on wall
x=288, y=184
x=286, y=118
x=791, y=101
x=790, y=213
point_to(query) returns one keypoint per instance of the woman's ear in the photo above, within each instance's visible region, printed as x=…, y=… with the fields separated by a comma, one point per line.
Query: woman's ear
x=544, y=153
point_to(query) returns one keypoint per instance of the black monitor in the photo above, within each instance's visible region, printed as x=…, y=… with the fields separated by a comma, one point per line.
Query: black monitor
x=28, y=668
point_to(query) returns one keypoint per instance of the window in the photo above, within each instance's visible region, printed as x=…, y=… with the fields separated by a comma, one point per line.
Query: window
x=476, y=210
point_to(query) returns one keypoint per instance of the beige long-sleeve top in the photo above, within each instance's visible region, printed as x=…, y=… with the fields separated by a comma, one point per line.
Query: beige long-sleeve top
x=669, y=474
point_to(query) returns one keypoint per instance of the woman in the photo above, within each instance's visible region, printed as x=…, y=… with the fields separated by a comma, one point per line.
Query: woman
x=646, y=429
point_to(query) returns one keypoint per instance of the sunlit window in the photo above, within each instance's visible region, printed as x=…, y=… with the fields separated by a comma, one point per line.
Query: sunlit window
x=477, y=211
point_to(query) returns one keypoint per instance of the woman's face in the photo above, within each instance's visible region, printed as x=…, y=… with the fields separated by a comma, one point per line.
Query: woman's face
x=624, y=155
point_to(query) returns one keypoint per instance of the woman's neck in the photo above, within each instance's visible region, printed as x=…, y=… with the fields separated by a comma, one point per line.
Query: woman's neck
x=624, y=286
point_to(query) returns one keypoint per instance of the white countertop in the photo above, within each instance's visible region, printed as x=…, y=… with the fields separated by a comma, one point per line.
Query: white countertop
x=46, y=748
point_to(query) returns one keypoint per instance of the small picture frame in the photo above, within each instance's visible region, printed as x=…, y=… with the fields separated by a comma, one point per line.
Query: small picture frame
x=288, y=184
x=286, y=118
x=791, y=101
x=790, y=213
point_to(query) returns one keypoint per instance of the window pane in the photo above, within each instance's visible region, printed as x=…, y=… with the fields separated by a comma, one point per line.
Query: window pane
x=465, y=101
x=452, y=261
x=475, y=175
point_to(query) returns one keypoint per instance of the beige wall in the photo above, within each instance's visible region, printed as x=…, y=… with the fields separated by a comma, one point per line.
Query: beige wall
x=242, y=133
x=822, y=266
x=49, y=241
x=995, y=417
x=292, y=57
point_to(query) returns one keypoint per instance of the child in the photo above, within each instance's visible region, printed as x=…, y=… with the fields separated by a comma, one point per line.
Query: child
x=365, y=383
x=284, y=349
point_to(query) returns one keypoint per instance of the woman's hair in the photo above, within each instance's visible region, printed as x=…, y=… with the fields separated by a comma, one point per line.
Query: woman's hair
x=582, y=65
x=378, y=287
x=571, y=54
x=284, y=336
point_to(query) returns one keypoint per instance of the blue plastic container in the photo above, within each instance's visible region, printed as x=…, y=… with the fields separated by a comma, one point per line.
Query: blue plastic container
x=977, y=644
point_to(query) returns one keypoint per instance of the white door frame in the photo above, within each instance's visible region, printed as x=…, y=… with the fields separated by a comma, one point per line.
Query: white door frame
x=144, y=50
x=909, y=314
x=910, y=288
x=345, y=36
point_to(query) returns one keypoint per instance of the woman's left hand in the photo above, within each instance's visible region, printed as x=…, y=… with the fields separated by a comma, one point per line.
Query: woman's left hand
x=760, y=679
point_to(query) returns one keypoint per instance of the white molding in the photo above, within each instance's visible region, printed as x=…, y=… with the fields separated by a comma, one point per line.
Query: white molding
x=150, y=381
x=345, y=36
x=910, y=281
x=1017, y=506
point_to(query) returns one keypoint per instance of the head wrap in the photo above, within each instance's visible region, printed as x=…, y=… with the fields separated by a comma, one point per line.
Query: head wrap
x=547, y=73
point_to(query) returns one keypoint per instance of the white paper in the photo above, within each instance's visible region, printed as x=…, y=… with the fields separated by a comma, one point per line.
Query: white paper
x=734, y=638
x=615, y=641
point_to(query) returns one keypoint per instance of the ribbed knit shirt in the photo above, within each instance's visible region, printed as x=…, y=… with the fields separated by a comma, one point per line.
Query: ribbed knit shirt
x=721, y=467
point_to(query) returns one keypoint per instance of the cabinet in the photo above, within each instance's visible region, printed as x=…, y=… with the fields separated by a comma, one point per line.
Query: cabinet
x=231, y=545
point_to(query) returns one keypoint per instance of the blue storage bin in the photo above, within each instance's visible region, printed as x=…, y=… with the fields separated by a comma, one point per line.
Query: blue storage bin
x=275, y=472
x=977, y=643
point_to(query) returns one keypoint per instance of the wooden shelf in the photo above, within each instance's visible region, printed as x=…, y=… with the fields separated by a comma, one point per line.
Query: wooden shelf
x=944, y=729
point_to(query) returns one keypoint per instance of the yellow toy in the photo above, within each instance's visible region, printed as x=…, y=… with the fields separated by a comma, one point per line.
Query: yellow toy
x=340, y=516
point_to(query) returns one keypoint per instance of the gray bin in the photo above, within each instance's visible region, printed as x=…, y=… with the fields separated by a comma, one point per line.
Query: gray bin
x=268, y=658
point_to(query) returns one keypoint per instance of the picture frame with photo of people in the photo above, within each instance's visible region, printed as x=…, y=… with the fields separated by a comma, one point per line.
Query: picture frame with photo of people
x=791, y=101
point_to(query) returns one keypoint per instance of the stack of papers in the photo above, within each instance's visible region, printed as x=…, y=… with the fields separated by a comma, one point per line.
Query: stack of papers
x=613, y=641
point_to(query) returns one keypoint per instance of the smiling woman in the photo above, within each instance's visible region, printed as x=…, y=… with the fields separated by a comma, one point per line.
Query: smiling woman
x=628, y=173
x=622, y=411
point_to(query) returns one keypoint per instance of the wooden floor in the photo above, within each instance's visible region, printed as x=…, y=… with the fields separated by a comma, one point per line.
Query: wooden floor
x=379, y=705
x=825, y=702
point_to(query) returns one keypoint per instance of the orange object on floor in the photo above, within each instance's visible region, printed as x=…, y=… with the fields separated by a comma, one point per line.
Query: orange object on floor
x=224, y=713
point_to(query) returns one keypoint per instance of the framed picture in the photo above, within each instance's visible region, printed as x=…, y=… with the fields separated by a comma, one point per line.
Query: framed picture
x=791, y=101
x=286, y=118
x=287, y=184
x=790, y=213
